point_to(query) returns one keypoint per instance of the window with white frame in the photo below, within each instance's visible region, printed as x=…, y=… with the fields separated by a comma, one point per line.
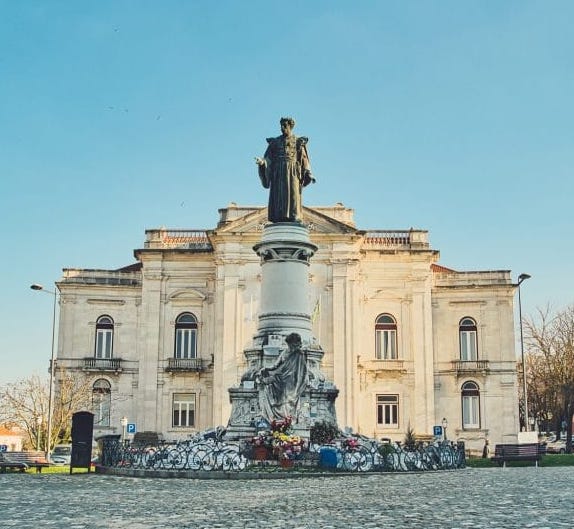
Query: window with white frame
x=104, y=337
x=185, y=336
x=101, y=402
x=183, y=409
x=388, y=410
x=467, y=337
x=386, y=338
x=470, y=395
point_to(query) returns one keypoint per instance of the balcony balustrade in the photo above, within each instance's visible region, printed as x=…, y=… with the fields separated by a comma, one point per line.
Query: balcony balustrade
x=185, y=364
x=464, y=367
x=178, y=239
x=381, y=365
x=396, y=239
x=102, y=364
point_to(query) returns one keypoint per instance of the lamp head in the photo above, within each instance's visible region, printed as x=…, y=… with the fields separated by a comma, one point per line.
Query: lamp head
x=36, y=286
x=522, y=277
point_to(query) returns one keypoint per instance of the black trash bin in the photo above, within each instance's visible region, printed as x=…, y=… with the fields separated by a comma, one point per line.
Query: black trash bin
x=82, y=433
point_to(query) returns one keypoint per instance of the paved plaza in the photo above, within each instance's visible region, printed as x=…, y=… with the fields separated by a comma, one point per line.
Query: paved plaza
x=511, y=498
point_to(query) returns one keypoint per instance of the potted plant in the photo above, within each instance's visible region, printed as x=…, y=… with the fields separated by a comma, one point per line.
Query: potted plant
x=261, y=445
x=323, y=432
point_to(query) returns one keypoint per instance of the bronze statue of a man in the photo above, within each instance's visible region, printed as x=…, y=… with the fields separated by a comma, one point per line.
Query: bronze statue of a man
x=285, y=170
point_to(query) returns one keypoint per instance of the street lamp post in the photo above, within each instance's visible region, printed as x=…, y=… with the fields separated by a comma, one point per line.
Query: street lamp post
x=521, y=278
x=36, y=286
x=444, y=427
x=124, y=423
x=39, y=432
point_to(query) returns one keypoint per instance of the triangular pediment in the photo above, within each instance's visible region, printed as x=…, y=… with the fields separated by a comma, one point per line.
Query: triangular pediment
x=252, y=220
x=317, y=218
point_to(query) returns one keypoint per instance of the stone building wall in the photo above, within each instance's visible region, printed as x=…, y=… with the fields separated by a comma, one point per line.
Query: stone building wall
x=355, y=276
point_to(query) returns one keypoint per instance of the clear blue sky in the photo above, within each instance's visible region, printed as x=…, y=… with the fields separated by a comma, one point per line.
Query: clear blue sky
x=117, y=116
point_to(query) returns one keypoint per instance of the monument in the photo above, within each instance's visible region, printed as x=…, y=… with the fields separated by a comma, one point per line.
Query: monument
x=283, y=378
x=283, y=392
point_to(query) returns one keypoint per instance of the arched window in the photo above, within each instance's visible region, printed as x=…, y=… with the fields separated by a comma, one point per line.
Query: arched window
x=467, y=337
x=470, y=395
x=101, y=402
x=385, y=337
x=185, y=336
x=104, y=337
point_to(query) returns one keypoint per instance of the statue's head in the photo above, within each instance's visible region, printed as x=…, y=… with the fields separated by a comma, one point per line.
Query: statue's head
x=290, y=122
x=293, y=339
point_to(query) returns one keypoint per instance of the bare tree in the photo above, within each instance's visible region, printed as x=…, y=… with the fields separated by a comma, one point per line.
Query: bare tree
x=25, y=404
x=550, y=365
x=542, y=397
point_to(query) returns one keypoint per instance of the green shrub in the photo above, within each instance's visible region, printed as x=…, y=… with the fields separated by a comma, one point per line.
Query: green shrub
x=323, y=432
x=410, y=441
x=385, y=449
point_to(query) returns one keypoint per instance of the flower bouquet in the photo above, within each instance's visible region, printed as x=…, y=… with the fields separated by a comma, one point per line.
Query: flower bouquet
x=263, y=438
x=261, y=444
x=283, y=425
x=287, y=446
x=350, y=444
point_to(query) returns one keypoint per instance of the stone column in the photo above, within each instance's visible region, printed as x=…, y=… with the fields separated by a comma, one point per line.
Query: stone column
x=285, y=250
x=149, y=346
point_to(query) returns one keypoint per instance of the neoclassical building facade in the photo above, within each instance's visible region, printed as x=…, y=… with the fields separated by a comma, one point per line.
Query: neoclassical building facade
x=407, y=342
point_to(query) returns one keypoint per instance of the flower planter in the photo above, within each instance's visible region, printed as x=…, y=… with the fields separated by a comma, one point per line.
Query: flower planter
x=260, y=453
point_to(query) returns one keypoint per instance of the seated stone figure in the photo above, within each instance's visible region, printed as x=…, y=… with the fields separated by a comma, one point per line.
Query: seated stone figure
x=282, y=384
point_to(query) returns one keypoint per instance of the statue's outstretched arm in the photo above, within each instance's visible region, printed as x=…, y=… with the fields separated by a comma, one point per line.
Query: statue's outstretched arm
x=263, y=170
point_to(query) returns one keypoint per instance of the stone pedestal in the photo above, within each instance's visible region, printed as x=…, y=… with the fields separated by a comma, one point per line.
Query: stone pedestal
x=285, y=251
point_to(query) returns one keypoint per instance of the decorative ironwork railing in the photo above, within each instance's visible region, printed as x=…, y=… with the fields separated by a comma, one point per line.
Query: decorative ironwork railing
x=210, y=453
x=102, y=364
x=185, y=364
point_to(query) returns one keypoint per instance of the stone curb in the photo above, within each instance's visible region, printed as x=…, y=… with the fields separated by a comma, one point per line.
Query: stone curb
x=243, y=475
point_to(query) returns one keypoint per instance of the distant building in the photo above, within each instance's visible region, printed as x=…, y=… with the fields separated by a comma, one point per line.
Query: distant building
x=11, y=438
x=407, y=342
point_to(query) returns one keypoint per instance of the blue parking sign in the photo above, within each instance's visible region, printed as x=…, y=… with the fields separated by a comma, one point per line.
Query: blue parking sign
x=437, y=431
x=131, y=428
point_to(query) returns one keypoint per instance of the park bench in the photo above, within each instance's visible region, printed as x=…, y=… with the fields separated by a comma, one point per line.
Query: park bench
x=23, y=461
x=517, y=452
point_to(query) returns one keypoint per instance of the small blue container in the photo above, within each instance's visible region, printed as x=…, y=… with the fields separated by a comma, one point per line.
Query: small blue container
x=328, y=457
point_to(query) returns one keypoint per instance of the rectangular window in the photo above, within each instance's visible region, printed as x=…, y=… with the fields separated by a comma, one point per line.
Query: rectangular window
x=183, y=409
x=185, y=343
x=386, y=344
x=470, y=412
x=388, y=410
x=468, y=345
x=104, y=343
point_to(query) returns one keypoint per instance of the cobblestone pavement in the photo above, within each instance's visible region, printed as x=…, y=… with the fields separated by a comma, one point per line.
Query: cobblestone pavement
x=511, y=498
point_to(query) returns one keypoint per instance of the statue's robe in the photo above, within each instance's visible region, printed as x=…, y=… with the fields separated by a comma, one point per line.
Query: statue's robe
x=285, y=172
x=280, y=390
